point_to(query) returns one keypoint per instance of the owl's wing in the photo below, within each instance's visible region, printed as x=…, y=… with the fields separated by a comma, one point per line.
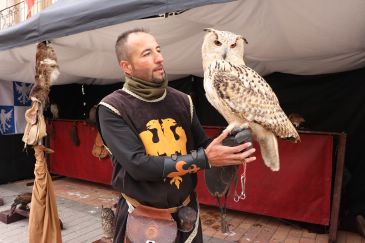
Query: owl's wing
x=248, y=95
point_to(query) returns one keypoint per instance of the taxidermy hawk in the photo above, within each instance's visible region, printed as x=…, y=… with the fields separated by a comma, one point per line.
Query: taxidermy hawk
x=23, y=200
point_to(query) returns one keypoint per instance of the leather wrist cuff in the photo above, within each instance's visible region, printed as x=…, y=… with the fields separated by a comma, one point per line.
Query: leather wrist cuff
x=179, y=165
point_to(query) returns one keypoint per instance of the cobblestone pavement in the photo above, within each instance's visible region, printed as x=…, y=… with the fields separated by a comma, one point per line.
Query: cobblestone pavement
x=81, y=221
x=79, y=203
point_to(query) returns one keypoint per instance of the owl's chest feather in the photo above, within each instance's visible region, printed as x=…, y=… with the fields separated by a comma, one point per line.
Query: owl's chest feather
x=212, y=94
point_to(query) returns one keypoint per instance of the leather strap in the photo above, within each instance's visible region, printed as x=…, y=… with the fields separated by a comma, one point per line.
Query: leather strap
x=135, y=203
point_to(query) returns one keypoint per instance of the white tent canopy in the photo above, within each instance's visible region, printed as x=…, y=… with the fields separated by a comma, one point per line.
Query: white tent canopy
x=297, y=37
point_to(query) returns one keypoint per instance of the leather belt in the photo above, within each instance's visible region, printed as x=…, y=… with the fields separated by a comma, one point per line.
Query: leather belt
x=135, y=203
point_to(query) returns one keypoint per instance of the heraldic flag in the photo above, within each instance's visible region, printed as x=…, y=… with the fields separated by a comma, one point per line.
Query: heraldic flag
x=14, y=101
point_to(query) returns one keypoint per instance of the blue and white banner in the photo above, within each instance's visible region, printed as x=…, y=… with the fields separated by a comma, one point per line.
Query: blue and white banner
x=14, y=101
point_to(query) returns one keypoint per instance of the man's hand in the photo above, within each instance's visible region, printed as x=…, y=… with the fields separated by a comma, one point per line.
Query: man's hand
x=220, y=155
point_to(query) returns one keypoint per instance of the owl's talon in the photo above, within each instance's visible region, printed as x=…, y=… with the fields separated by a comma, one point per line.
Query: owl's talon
x=244, y=126
x=232, y=127
x=236, y=128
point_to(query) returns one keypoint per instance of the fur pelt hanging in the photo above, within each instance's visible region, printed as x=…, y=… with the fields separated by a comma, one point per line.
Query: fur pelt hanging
x=46, y=72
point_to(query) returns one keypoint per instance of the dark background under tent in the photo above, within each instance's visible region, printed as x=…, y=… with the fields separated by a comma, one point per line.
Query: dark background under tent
x=330, y=103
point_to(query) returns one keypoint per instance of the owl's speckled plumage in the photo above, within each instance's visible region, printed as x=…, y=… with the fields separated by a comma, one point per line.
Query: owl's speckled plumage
x=242, y=96
x=107, y=222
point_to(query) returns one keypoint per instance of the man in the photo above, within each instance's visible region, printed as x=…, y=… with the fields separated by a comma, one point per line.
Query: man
x=145, y=123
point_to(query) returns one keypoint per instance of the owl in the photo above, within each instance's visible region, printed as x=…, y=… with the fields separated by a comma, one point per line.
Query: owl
x=107, y=222
x=242, y=96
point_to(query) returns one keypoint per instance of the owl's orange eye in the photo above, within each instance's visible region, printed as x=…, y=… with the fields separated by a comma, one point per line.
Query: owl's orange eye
x=233, y=45
x=217, y=43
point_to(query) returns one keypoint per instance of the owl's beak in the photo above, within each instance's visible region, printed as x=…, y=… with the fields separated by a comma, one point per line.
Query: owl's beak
x=225, y=53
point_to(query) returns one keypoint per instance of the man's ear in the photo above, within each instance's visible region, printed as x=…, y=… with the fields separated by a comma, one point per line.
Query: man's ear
x=126, y=67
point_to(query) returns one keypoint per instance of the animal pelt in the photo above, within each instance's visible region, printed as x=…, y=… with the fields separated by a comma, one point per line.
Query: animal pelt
x=23, y=200
x=46, y=71
x=297, y=120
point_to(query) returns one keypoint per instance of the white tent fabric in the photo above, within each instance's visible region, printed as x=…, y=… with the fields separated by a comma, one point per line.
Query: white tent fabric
x=297, y=37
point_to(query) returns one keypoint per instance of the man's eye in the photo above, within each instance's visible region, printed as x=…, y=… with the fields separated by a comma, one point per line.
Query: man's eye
x=146, y=53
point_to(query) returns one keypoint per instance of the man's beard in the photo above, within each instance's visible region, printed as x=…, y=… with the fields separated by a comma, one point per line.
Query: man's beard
x=159, y=80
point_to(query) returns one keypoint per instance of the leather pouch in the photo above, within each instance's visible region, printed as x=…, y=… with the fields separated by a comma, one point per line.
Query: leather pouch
x=74, y=135
x=35, y=128
x=99, y=150
x=148, y=225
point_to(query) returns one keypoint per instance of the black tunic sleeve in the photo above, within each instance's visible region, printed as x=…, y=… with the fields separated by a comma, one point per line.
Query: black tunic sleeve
x=127, y=149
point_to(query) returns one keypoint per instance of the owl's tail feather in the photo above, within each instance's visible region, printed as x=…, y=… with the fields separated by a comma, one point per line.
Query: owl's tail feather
x=292, y=139
x=290, y=133
x=269, y=150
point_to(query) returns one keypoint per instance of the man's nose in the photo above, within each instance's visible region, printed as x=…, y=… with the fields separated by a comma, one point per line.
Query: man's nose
x=158, y=57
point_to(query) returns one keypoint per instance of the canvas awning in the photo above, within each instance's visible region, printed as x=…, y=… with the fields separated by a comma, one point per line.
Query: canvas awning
x=301, y=37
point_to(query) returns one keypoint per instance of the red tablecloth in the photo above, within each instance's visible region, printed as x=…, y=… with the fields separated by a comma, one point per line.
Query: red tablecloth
x=301, y=190
x=77, y=161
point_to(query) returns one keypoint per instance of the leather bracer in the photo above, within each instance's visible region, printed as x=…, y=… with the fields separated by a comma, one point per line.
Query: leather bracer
x=179, y=165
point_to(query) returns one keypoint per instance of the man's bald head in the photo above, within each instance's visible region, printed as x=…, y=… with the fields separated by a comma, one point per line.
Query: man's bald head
x=121, y=47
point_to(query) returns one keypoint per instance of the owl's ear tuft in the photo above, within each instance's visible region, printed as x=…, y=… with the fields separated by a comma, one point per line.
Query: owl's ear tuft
x=212, y=31
x=243, y=38
x=209, y=29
